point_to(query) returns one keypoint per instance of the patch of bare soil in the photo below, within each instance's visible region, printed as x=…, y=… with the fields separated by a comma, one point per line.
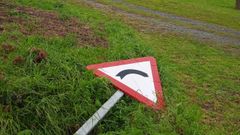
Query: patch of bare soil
x=6, y=49
x=39, y=55
x=18, y=60
x=34, y=21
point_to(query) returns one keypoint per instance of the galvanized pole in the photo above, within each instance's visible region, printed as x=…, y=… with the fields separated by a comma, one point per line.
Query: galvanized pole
x=101, y=112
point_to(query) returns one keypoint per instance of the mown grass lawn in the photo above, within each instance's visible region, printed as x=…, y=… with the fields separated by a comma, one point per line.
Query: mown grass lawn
x=57, y=95
x=220, y=12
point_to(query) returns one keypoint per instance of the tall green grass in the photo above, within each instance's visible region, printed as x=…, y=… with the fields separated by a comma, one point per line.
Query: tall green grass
x=58, y=95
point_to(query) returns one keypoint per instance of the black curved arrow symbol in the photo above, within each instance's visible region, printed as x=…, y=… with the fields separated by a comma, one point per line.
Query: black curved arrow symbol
x=123, y=73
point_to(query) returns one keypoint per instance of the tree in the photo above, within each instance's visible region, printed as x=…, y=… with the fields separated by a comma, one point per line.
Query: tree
x=237, y=4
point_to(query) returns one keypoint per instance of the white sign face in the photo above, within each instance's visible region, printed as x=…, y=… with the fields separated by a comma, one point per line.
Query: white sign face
x=137, y=76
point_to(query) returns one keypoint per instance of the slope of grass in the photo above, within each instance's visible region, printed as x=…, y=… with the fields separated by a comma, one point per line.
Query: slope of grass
x=207, y=76
x=58, y=95
x=220, y=12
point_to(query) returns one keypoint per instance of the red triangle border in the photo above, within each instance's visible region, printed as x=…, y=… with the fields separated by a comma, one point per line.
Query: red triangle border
x=127, y=90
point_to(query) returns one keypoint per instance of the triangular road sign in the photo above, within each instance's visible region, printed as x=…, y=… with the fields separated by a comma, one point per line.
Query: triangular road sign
x=138, y=78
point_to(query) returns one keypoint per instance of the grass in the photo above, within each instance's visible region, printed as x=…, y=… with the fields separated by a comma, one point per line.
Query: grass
x=206, y=76
x=220, y=12
x=56, y=96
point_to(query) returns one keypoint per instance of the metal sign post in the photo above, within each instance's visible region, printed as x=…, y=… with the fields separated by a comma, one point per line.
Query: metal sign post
x=137, y=78
x=99, y=114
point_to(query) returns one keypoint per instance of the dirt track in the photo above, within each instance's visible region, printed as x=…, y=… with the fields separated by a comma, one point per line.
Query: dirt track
x=165, y=23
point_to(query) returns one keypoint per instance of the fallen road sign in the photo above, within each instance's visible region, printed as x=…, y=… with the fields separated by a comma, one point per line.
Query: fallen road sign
x=137, y=78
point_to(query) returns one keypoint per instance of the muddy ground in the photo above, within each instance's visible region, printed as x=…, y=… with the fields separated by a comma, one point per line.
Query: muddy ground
x=32, y=21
